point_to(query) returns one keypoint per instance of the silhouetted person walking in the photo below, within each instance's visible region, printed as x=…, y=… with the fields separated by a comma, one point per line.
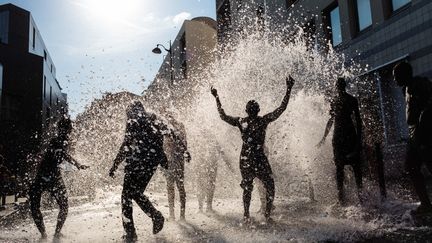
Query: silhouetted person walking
x=177, y=153
x=418, y=95
x=142, y=148
x=48, y=177
x=207, y=173
x=346, y=136
x=253, y=161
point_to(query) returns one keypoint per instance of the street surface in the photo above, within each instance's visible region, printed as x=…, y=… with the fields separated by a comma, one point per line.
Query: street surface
x=295, y=221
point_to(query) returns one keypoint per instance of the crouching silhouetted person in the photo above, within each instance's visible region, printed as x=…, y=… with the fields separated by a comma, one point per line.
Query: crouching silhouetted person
x=142, y=149
x=253, y=161
x=418, y=95
x=48, y=177
x=346, y=136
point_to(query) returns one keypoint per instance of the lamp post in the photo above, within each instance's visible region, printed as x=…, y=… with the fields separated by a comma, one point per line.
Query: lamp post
x=157, y=50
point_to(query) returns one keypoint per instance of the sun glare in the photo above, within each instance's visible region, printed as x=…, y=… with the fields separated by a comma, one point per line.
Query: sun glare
x=111, y=10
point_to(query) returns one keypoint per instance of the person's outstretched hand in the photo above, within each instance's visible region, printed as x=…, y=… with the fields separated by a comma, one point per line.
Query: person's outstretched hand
x=112, y=172
x=214, y=92
x=320, y=143
x=290, y=82
x=187, y=156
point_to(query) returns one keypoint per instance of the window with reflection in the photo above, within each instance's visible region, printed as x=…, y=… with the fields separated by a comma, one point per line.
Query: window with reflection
x=397, y=4
x=335, y=26
x=364, y=14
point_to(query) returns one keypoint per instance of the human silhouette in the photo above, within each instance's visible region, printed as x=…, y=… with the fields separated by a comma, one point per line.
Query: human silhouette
x=142, y=148
x=5, y=179
x=207, y=169
x=346, y=136
x=48, y=177
x=418, y=96
x=177, y=153
x=253, y=161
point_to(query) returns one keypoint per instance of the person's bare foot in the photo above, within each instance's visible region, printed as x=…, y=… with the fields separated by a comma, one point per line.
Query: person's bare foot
x=58, y=235
x=247, y=220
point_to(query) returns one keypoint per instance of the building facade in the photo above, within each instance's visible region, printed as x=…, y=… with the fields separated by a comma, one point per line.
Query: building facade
x=374, y=33
x=31, y=97
x=192, y=50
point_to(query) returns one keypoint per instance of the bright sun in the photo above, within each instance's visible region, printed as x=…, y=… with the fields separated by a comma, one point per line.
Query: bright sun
x=111, y=10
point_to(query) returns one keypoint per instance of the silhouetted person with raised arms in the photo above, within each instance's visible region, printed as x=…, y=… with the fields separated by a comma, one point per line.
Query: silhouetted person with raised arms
x=346, y=136
x=142, y=148
x=418, y=95
x=177, y=152
x=253, y=161
x=48, y=177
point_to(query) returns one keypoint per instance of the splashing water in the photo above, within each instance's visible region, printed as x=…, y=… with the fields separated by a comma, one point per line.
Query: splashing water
x=256, y=68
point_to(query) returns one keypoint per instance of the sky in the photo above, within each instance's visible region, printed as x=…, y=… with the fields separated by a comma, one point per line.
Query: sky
x=103, y=46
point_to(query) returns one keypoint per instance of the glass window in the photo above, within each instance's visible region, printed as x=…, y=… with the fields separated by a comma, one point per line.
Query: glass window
x=44, y=87
x=335, y=24
x=4, y=27
x=34, y=38
x=364, y=14
x=1, y=80
x=397, y=4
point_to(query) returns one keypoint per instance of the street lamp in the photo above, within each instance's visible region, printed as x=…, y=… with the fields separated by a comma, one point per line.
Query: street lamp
x=157, y=50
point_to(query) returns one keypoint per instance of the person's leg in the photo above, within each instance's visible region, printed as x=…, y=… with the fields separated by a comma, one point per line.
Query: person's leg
x=262, y=195
x=358, y=174
x=182, y=194
x=340, y=183
x=171, y=194
x=268, y=182
x=211, y=187
x=413, y=166
x=247, y=185
x=200, y=185
x=127, y=210
x=35, y=195
x=60, y=195
x=145, y=204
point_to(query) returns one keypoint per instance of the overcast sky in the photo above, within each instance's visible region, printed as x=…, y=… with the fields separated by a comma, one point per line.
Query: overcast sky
x=105, y=45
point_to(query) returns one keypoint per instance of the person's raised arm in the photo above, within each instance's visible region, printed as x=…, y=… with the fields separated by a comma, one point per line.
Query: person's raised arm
x=270, y=117
x=233, y=121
